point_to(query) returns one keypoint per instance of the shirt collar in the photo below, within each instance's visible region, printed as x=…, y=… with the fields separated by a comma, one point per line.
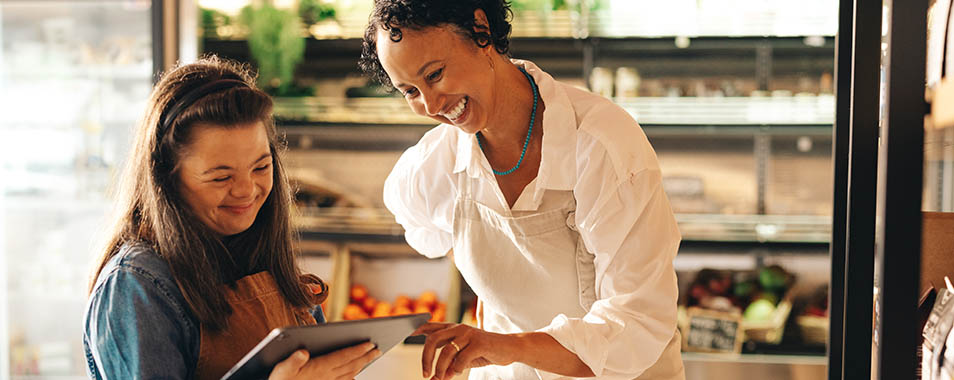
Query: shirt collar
x=557, y=167
x=465, y=152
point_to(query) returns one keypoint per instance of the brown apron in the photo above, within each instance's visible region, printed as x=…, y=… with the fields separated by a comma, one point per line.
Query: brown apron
x=258, y=306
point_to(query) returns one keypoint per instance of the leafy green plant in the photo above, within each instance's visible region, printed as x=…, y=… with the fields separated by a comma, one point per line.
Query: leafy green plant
x=312, y=11
x=211, y=20
x=277, y=45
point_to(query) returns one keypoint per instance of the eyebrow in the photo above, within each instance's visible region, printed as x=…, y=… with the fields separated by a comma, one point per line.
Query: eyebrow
x=420, y=71
x=226, y=167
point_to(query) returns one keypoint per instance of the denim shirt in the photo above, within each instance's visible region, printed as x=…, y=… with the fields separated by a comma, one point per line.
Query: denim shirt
x=138, y=325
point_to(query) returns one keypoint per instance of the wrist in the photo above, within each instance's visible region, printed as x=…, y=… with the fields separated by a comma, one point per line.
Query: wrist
x=522, y=347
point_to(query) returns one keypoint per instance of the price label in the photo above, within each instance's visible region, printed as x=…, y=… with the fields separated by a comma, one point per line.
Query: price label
x=711, y=331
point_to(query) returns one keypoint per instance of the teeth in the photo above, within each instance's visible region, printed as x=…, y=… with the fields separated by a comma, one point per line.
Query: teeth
x=458, y=109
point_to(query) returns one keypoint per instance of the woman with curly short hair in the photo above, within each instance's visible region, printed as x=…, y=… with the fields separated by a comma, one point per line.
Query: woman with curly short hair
x=549, y=196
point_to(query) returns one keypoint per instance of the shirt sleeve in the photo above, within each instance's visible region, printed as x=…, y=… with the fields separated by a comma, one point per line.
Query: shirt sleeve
x=137, y=329
x=627, y=223
x=319, y=314
x=420, y=193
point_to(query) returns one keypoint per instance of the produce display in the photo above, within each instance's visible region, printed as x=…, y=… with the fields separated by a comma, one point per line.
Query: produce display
x=813, y=320
x=754, y=295
x=818, y=303
x=362, y=305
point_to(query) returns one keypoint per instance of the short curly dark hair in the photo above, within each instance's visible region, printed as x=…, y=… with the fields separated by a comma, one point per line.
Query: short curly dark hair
x=393, y=15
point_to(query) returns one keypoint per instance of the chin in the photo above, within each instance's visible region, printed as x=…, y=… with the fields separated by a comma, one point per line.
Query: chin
x=470, y=131
x=469, y=128
x=235, y=231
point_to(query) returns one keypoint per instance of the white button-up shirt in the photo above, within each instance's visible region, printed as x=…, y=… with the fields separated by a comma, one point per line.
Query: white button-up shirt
x=596, y=149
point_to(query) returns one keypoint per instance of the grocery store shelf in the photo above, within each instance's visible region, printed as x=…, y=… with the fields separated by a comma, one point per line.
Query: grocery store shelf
x=339, y=110
x=644, y=21
x=378, y=226
x=351, y=137
x=755, y=358
x=796, y=110
x=735, y=131
x=393, y=137
x=755, y=228
x=683, y=111
x=343, y=225
x=565, y=57
x=706, y=24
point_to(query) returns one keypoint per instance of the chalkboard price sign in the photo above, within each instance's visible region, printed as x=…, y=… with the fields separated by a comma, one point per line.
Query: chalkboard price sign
x=712, y=331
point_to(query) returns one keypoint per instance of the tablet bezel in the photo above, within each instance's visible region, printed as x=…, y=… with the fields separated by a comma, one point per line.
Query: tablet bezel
x=385, y=332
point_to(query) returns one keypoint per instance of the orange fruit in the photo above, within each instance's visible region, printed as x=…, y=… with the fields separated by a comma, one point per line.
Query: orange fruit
x=382, y=309
x=428, y=299
x=421, y=309
x=352, y=312
x=402, y=301
x=440, y=313
x=401, y=310
x=369, y=303
x=358, y=292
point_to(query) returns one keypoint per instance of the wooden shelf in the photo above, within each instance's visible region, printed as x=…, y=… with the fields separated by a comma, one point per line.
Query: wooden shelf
x=937, y=248
x=942, y=105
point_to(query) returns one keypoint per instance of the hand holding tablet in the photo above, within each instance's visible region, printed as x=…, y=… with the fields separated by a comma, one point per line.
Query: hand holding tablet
x=345, y=363
x=337, y=338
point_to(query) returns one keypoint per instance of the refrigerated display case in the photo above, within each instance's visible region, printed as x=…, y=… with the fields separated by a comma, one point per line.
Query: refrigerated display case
x=740, y=114
x=74, y=77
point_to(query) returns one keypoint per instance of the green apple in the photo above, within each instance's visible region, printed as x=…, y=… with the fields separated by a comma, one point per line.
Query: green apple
x=759, y=311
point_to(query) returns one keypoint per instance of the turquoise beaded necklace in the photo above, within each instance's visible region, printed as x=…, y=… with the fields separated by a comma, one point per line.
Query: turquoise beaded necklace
x=533, y=115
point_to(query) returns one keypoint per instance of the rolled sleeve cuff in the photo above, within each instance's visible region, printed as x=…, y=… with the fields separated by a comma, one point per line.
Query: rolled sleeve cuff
x=590, y=348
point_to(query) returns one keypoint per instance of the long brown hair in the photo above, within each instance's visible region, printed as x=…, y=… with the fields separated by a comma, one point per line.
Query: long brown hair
x=151, y=211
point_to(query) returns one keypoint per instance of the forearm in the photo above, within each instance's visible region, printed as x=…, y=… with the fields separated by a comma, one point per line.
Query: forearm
x=541, y=351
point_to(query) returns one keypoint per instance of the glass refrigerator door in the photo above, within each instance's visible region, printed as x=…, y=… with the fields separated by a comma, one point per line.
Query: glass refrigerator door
x=74, y=78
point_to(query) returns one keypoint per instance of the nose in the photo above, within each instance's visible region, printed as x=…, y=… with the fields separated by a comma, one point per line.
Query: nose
x=243, y=187
x=433, y=102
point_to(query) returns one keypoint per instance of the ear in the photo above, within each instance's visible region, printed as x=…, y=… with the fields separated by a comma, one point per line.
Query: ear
x=480, y=21
x=482, y=25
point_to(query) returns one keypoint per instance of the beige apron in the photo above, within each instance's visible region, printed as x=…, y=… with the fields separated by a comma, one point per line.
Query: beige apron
x=258, y=306
x=526, y=270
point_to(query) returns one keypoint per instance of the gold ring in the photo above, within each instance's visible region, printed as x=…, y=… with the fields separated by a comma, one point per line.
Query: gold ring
x=456, y=347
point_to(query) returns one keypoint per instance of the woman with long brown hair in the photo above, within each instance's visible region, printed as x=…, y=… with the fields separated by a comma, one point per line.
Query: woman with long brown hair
x=200, y=265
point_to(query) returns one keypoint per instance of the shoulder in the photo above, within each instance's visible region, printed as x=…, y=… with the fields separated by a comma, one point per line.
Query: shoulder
x=137, y=323
x=426, y=166
x=606, y=129
x=438, y=147
x=142, y=280
x=140, y=260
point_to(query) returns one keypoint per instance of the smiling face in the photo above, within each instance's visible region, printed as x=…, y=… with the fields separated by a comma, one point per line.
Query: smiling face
x=225, y=175
x=443, y=75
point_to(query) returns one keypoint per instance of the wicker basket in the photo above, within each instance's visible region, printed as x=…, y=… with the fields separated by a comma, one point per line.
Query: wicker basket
x=814, y=329
x=771, y=330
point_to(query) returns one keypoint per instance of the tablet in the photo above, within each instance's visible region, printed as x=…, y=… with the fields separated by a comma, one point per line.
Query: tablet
x=321, y=339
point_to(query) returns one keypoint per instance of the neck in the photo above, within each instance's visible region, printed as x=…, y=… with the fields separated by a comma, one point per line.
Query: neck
x=506, y=132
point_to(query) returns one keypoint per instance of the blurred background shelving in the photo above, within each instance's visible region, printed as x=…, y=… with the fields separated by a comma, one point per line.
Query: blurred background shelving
x=74, y=77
